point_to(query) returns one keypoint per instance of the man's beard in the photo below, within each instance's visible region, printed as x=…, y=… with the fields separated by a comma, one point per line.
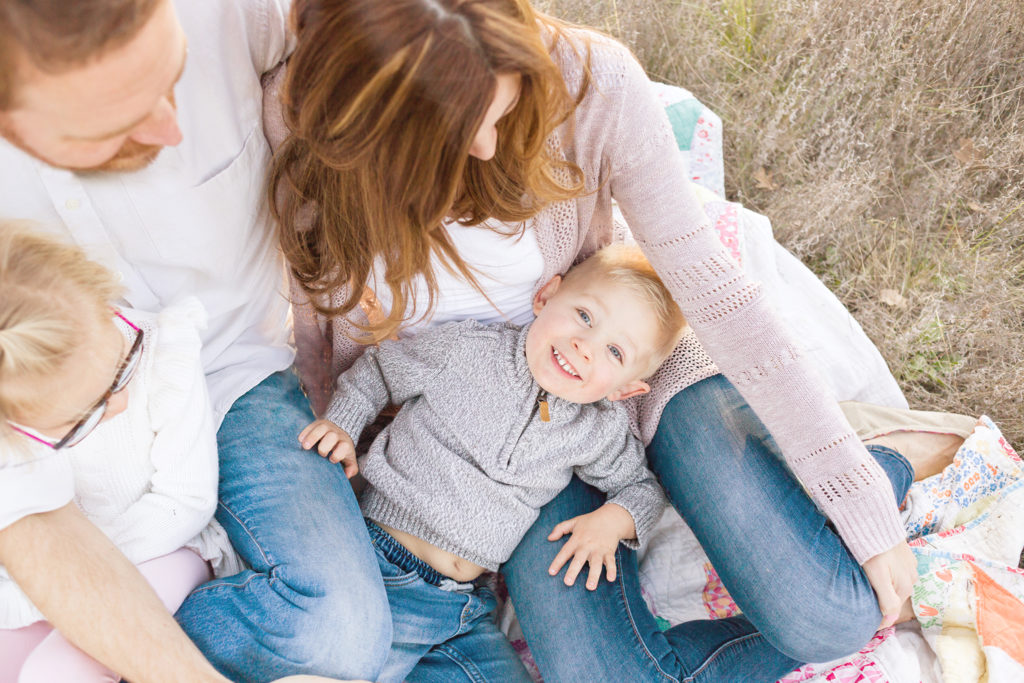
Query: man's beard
x=131, y=157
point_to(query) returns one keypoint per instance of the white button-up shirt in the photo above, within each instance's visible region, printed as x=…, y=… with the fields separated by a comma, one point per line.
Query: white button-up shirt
x=194, y=222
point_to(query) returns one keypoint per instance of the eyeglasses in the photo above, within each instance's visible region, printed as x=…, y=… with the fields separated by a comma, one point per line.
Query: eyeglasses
x=96, y=412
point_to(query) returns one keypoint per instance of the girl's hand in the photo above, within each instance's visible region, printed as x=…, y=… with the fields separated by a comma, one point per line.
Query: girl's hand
x=332, y=442
x=892, y=574
x=595, y=537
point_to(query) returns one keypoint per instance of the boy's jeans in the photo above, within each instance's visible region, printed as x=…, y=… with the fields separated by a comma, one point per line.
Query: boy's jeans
x=443, y=628
x=313, y=602
x=803, y=596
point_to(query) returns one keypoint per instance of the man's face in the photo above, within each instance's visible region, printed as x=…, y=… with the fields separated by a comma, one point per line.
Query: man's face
x=112, y=113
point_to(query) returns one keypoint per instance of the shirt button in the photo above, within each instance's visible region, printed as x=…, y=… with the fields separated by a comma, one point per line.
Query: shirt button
x=72, y=204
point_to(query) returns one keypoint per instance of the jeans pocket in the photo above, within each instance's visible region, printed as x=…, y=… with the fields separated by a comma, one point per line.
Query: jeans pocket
x=392, y=574
x=480, y=603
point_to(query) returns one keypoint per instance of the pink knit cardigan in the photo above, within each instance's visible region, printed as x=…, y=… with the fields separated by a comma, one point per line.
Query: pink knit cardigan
x=622, y=140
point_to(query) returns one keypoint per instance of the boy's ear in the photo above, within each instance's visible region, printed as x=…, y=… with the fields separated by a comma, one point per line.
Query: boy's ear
x=629, y=390
x=545, y=293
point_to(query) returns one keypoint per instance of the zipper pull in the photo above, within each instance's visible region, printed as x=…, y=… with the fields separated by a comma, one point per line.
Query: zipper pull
x=542, y=404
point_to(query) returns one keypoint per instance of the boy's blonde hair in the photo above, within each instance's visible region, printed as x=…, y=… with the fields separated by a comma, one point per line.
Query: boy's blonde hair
x=626, y=265
x=46, y=288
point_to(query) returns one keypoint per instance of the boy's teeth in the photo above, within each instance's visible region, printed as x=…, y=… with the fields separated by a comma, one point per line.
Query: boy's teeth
x=564, y=364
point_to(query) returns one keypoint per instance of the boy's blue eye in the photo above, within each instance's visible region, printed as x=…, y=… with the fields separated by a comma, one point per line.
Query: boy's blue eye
x=615, y=353
x=584, y=316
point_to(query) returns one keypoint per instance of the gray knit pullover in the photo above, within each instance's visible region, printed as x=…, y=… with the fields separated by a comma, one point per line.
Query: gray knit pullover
x=467, y=462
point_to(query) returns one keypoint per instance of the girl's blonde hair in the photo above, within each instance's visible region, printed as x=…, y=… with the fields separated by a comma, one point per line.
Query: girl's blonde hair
x=46, y=288
x=383, y=101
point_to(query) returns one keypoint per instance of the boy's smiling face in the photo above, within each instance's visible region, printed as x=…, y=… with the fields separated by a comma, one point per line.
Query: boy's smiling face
x=592, y=339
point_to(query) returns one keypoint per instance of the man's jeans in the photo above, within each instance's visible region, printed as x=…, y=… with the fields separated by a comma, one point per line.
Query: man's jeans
x=803, y=596
x=313, y=602
x=443, y=628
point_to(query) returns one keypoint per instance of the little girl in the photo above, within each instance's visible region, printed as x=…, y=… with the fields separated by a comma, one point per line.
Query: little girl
x=106, y=407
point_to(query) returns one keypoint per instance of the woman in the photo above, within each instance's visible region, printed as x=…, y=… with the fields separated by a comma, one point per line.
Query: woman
x=441, y=159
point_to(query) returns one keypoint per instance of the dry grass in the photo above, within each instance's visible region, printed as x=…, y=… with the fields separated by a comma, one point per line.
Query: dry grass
x=894, y=131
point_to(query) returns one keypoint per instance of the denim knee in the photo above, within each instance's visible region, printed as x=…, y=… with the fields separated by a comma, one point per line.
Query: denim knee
x=341, y=626
x=291, y=621
x=821, y=630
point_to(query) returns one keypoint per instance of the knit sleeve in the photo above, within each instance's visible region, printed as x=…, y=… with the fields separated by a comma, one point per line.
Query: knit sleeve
x=324, y=348
x=736, y=325
x=619, y=468
x=393, y=372
x=182, y=495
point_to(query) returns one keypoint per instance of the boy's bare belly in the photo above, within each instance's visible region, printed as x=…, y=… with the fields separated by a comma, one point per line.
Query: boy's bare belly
x=452, y=566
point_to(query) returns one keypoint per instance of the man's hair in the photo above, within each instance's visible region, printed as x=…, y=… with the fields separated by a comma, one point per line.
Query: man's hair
x=626, y=265
x=57, y=35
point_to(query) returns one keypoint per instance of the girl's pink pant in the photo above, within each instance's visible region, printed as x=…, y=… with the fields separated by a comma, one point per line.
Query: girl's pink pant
x=39, y=654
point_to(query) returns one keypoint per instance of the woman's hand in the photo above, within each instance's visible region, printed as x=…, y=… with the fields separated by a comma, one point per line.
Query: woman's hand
x=892, y=574
x=332, y=442
x=595, y=537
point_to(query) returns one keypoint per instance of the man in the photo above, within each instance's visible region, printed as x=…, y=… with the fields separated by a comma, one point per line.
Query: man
x=133, y=128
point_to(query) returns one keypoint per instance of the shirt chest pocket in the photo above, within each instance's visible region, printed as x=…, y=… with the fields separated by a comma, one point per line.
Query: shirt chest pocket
x=205, y=225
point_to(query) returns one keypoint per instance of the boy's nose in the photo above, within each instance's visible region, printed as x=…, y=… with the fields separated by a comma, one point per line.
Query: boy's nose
x=581, y=348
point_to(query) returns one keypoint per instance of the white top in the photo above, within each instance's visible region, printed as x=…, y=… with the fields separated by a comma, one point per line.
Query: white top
x=195, y=222
x=38, y=480
x=506, y=264
x=147, y=478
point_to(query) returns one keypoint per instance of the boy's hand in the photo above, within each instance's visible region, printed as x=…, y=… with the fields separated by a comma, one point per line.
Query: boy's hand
x=595, y=537
x=332, y=442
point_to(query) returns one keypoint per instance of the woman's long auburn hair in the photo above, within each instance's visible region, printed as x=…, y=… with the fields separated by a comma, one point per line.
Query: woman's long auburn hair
x=383, y=100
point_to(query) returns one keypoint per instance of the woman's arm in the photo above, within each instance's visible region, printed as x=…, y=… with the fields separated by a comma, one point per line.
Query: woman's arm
x=313, y=351
x=89, y=591
x=323, y=348
x=734, y=321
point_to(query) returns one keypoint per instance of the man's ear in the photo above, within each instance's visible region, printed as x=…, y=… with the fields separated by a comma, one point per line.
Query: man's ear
x=545, y=293
x=629, y=390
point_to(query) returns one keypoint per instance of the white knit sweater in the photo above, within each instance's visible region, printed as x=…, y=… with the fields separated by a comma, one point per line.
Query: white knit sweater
x=147, y=477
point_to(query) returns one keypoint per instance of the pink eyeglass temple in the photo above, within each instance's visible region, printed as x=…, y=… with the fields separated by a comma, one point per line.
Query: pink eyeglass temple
x=31, y=436
x=126, y=321
x=35, y=438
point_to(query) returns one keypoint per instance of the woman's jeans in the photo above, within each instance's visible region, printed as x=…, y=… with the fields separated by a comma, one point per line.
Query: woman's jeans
x=313, y=602
x=443, y=628
x=803, y=596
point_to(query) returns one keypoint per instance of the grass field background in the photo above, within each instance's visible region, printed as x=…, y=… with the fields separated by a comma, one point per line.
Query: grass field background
x=885, y=141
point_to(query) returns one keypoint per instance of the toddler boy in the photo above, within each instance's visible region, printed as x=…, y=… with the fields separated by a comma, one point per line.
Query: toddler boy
x=494, y=421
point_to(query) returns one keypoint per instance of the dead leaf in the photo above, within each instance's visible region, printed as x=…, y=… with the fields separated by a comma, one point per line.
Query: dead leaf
x=763, y=180
x=891, y=297
x=968, y=154
x=976, y=207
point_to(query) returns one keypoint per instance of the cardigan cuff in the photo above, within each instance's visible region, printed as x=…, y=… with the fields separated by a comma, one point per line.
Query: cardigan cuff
x=869, y=524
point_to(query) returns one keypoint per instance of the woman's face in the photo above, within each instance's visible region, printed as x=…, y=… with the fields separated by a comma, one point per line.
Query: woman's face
x=506, y=94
